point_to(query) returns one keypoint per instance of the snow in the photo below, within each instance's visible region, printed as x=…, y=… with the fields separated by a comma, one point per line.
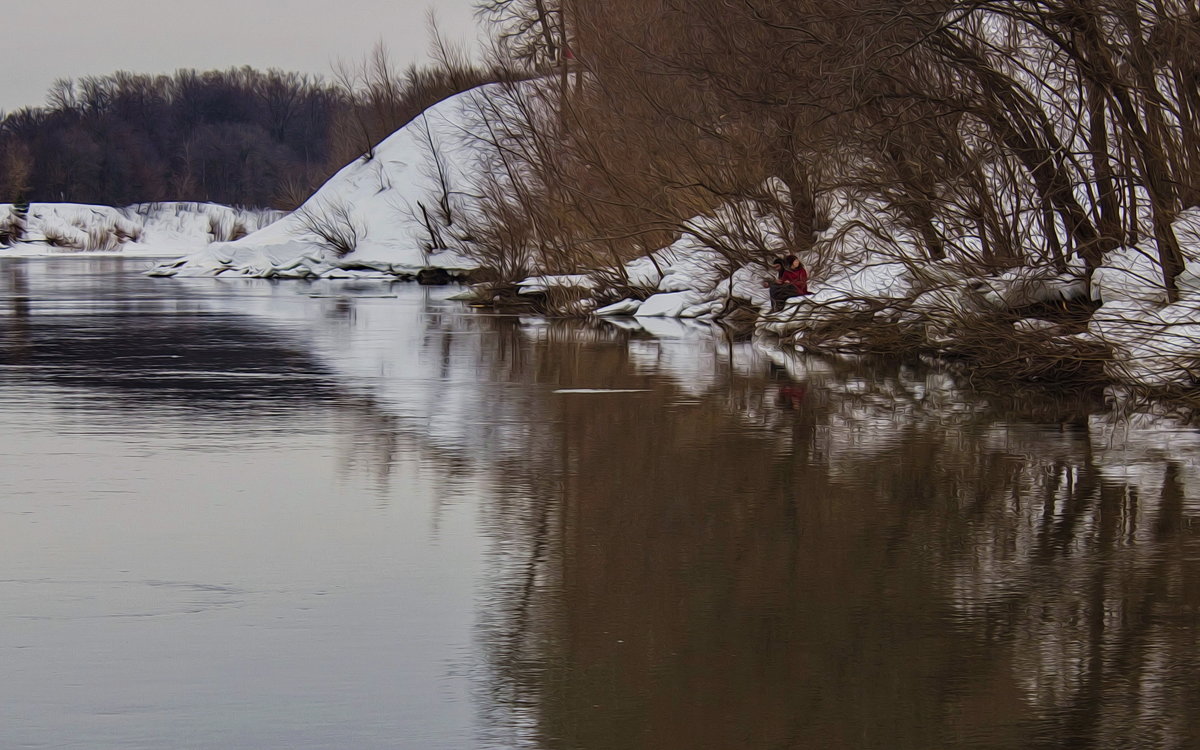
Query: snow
x=1152, y=346
x=691, y=278
x=1129, y=274
x=395, y=205
x=1026, y=285
x=1033, y=325
x=149, y=229
x=1134, y=273
x=384, y=200
x=624, y=307
x=876, y=279
x=668, y=305
x=537, y=284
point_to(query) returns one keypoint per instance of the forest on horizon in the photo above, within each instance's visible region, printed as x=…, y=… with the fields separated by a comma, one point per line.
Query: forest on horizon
x=240, y=136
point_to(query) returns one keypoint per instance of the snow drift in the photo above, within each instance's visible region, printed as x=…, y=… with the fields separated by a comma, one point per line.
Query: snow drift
x=1152, y=344
x=155, y=229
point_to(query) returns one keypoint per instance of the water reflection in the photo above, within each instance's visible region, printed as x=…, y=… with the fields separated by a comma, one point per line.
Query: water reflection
x=858, y=557
x=111, y=338
x=213, y=535
x=691, y=539
x=748, y=549
x=17, y=338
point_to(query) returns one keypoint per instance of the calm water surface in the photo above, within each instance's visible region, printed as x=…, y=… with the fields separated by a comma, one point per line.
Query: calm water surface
x=244, y=514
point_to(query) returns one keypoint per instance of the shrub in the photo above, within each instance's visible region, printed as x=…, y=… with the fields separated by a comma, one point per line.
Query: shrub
x=333, y=226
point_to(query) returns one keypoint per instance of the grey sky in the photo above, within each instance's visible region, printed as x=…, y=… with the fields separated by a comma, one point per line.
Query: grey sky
x=49, y=39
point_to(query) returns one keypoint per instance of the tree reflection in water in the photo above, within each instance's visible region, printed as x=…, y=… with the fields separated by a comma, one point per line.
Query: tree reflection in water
x=749, y=552
x=860, y=558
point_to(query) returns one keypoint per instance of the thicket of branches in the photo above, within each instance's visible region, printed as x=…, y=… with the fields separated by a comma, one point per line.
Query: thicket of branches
x=382, y=99
x=994, y=133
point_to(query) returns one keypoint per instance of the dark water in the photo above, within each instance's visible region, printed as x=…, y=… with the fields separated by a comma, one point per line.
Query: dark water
x=252, y=514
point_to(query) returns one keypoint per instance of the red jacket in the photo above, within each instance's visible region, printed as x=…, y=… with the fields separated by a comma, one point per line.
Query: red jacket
x=797, y=277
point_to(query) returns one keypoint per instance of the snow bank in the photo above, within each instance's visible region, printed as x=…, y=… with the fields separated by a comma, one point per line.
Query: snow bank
x=1130, y=274
x=693, y=276
x=860, y=228
x=1023, y=286
x=852, y=289
x=395, y=205
x=537, y=284
x=863, y=261
x=393, y=210
x=153, y=229
x=1133, y=274
x=1154, y=344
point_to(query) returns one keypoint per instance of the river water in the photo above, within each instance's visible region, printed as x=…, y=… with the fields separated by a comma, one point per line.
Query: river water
x=253, y=514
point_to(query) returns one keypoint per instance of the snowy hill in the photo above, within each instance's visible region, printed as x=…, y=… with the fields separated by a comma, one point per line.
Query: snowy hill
x=384, y=214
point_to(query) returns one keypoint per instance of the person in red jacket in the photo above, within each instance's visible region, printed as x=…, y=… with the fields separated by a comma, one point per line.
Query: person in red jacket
x=795, y=274
x=792, y=281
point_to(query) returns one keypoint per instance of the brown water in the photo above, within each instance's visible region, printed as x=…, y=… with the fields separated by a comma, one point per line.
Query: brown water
x=253, y=514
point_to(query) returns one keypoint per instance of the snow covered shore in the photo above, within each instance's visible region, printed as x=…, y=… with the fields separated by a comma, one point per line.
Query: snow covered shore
x=148, y=229
x=394, y=213
x=857, y=292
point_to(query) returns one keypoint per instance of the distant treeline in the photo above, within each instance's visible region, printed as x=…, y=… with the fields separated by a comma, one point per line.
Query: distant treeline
x=238, y=137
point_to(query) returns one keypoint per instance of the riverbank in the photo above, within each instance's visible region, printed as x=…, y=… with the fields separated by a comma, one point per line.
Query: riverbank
x=405, y=212
x=1040, y=324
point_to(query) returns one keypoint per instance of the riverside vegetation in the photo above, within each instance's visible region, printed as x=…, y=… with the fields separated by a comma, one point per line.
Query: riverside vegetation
x=1010, y=184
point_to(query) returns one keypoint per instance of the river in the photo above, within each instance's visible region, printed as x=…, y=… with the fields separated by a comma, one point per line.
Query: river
x=255, y=514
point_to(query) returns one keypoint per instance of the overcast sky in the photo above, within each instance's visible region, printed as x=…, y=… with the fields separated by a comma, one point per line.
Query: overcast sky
x=49, y=39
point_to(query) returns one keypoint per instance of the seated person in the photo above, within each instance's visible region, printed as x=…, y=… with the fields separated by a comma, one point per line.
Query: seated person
x=792, y=281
